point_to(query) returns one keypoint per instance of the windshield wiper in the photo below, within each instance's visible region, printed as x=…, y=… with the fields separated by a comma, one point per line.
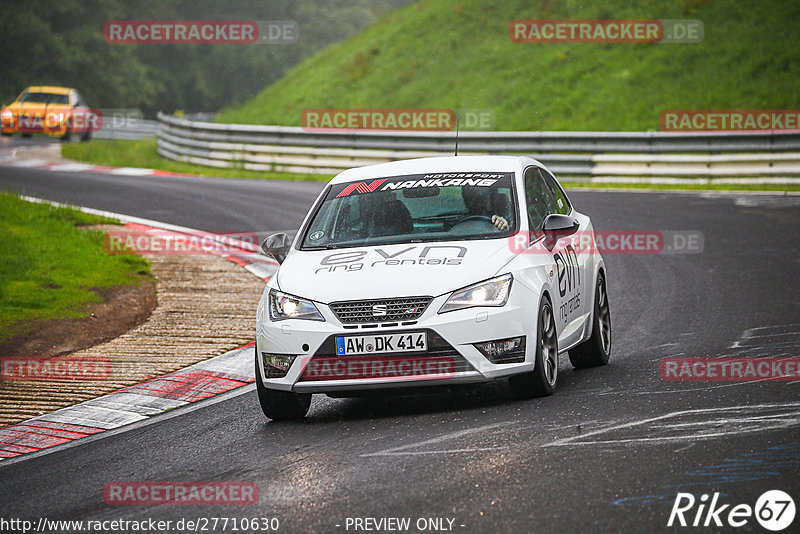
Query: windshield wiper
x=444, y=215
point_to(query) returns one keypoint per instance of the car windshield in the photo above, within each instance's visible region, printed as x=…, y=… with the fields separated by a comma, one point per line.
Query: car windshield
x=32, y=97
x=414, y=208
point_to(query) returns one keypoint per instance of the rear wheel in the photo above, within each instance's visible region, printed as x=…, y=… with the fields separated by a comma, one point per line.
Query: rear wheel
x=597, y=349
x=281, y=405
x=27, y=135
x=542, y=380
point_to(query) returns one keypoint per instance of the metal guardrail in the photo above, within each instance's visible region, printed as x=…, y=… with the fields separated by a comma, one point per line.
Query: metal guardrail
x=580, y=154
x=138, y=129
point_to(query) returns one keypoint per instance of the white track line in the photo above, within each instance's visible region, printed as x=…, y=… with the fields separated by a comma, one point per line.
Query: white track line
x=394, y=451
x=579, y=440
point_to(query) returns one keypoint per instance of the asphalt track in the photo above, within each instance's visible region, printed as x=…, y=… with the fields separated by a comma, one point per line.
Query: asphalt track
x=607, y=453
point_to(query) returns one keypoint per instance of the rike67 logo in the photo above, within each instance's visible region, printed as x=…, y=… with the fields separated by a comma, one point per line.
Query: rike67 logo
x=774, y=510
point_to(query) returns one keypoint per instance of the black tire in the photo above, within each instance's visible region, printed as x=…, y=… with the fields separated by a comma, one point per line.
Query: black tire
x=542, y=380
x=6, y=134
x=281, y=405
x=87, y=135
x=67, y=131
x=596, y=350
x=27, y=135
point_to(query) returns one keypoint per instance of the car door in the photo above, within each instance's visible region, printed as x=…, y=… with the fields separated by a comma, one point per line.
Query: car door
x=569, y=255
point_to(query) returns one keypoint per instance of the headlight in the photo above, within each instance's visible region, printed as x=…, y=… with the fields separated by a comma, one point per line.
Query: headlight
x=7, y=114
x=283, y=306
x=493, y=292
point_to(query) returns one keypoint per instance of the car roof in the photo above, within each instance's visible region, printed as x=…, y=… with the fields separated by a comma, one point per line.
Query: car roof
x=437, y=165
x=49, y=89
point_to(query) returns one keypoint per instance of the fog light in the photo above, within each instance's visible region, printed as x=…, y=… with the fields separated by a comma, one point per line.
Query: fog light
x=510, y=350
x=277, y=365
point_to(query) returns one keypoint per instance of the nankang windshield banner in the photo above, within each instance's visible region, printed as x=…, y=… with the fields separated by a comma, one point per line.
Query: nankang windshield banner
x=416, y=181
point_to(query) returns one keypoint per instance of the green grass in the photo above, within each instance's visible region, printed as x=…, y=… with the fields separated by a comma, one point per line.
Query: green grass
x=48, y=265
x=457, y=54
x=143, y=154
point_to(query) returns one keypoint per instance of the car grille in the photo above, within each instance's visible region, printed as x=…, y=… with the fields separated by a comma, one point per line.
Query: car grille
x=439, y=350
x=364, y=311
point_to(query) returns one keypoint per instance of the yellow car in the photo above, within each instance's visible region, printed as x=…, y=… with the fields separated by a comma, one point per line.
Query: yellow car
x=55, y=111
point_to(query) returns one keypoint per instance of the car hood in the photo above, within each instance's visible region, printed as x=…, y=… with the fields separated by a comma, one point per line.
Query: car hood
x=413, y=269
x=35, y=107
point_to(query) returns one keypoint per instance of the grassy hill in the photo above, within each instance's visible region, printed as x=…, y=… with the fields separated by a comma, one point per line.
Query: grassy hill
x=457, y=54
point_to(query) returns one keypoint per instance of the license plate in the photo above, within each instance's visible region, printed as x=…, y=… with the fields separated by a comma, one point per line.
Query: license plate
x=381, y=344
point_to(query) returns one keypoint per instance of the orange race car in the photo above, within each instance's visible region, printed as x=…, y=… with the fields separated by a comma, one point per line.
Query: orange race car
x=56, y=111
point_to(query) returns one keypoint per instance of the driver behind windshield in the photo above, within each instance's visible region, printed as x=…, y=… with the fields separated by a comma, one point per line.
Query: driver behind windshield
x=481, y=201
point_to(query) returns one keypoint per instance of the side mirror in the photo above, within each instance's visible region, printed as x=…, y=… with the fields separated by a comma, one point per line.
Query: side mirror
x=557, y=225
x=277, y=246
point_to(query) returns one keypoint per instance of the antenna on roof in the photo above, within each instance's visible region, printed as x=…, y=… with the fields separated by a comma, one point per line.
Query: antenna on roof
x=457, y=122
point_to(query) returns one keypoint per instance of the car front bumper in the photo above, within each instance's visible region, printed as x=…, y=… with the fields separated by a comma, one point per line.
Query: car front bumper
x=12, y=126
x=451, y=339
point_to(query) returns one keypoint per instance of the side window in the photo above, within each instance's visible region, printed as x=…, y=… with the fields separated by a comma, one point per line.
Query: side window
x=539, y=197
x=77, y=99
x=562, y=204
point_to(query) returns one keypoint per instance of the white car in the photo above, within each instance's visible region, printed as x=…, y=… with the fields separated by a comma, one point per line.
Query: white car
x=427, y=272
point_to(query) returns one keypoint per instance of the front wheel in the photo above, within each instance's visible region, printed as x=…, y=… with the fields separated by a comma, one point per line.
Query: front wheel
x=281, y=405
x=542, y=380
x=596, y=350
